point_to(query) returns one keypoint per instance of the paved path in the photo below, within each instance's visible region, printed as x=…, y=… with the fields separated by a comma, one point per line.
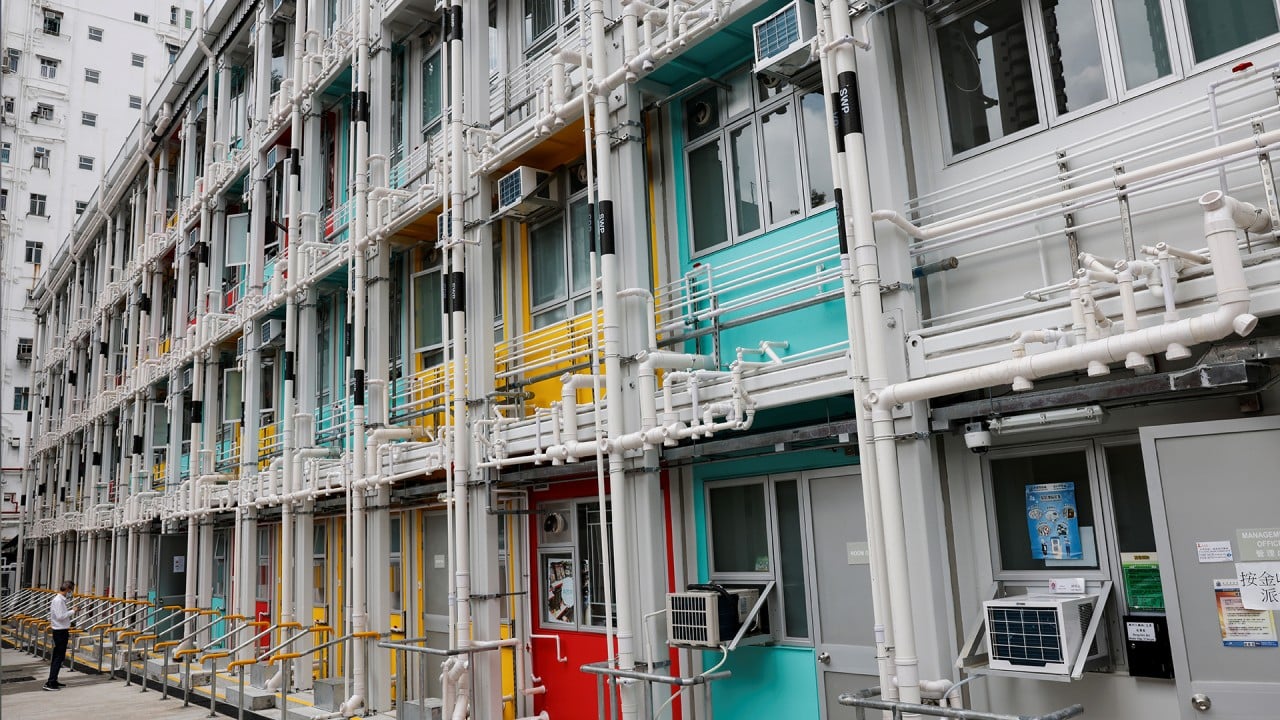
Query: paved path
x=86, y=697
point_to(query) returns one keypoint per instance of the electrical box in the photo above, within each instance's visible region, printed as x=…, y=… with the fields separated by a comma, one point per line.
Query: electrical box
x=1146, y=641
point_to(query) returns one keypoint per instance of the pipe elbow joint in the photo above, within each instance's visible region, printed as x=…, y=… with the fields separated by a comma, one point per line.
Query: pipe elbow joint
x=1244, y=324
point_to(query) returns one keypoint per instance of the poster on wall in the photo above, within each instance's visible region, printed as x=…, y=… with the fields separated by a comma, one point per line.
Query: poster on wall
x=1240, y=626
x=559, y=587
x=1142, y=589
x=1053, y=521
x=1259, y=585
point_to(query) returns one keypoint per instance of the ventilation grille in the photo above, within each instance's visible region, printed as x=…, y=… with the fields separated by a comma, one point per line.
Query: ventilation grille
x=1027, y=636
x=693, y=619
x=777, y=33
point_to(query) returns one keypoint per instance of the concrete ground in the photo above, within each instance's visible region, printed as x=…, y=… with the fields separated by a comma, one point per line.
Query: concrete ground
x=86, y=696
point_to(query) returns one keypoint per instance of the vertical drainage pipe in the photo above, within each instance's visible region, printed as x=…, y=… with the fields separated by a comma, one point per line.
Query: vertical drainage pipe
x=866, y=258
x=612, y=331
x=867, y=463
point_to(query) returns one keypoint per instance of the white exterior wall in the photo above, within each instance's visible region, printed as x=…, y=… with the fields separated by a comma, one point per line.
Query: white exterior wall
x=67, y=138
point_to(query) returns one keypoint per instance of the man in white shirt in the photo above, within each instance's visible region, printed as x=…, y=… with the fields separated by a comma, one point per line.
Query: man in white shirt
x=60, y=614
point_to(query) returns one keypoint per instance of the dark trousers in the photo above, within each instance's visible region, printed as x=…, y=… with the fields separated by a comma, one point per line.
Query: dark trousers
x=59, y=654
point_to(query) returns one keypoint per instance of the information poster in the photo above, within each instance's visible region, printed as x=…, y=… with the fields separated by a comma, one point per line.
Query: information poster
x=1142, y=589
x=1053, y=521
x=1240, y=626
x=560, y=587
x=1259, y=584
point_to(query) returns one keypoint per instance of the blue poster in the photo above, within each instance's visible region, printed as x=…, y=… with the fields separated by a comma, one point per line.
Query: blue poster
x=1053, y=521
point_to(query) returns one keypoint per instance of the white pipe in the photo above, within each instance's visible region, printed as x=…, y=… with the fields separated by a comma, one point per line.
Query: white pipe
x=1223, y=215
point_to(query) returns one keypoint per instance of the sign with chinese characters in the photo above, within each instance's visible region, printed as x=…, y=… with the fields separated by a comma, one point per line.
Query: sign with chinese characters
x=1259, y=585
x=1212, y=551
x=179, y=563
x=1240, y=626
x=1053, y=521
x=1258, y=544
x=1140, y=631
x=1142, y=589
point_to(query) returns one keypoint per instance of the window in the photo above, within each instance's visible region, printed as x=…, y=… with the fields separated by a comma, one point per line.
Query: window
x=43, y=111
x=86, y=162
x=4, y=152
x=1007, y=66
x=1220, y=26
x=95, y=34
x=48, y=68
x=428, y=315
x=92, y=76
x=173, y=14
x=560, y=258
x=21, y=397
x=220, y=542
x=319, y=551
x=1037, y=534
x=40, y=158
x=186, y=19
x=81, y=206
x=544, y=20
x=262, y=590
x=34, y=247
x=135, y=102
x=139, y=60
x=88, y=118
x=754, y=537
x=432, y=94
x=11, y=56
x=4, y=200
x=756, y=156
x=8, y=103
x=25, y=348
x=37, y=208
x=52, y=22
x=172, y=50
x=571, y=564
x=139, y=17
x=395, y=577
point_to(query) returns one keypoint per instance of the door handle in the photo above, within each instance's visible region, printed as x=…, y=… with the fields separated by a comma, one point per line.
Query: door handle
x=824, y=658
x=1201, y=702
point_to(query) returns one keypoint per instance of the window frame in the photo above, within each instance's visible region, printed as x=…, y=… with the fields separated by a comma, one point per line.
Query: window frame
x=142, y=18
x=1102, y=528
x=88, y=119
x=85, y=162
x=21, y=397
x=559, y=29
x=38, y=200
x=43, y=111
x=572, y=550
x=40, y=157
x=138, y=60
x=12, y=59
x=95, y=33
x=727, y=125
x=52, y=18
x=135, y=102
x=93, y=76
x=1181, y=59
x=48, y=67
x=6, y=153
x=81, y=206
x=776, y=606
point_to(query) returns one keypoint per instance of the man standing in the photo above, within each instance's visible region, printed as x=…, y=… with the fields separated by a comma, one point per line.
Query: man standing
x=60, y=613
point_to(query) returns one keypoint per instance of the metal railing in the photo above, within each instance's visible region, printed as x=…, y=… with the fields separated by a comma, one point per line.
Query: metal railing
x=607, y=681
x=868, y=699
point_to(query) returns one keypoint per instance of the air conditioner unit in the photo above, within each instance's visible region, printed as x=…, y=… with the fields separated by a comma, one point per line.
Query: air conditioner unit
x=15, y=441
x=282, y=9
x=783, y=39
x=272, y=331
x=442, y=229
x=274, y=156
x=187, y=377
x=708, y=615
x=1037, y=633
x=24, y=356
x=524, y=190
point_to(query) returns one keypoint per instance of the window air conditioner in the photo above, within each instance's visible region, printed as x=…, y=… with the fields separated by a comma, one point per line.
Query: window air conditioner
x=783, y=39
x=187, y=379
x=708, y=615
x=524, y=190
x=282, y=9
x=272, y=331
x=442, y=229
x=1037, y=633
x=15, y=441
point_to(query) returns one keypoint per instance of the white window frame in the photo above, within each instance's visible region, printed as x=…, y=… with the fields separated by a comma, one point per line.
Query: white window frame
x=6, y=152
x=49, y=67
x=33, y=251
x=142, y=18
x=776, y=604
x=569, y=509
x=138, y=60
x=562, y=217
x=85, y=162
x=92, y=76
x=726, y=125
x=135, y=102
x=1176, y=11
x=89, y=119
x=95, y=33
x=40, y=158
x=559, y=29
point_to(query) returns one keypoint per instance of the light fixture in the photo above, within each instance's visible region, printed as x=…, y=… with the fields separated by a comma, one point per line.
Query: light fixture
x=1049, y=419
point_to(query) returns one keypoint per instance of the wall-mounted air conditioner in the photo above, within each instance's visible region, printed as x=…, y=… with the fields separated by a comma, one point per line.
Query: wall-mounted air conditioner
x=272, y=332
x=524, y=190
x=1037, y=633
x=442, y=229
x=187, y=378
x=708, y=615
x=783, y=39
x=15, y=441
x=282, y=9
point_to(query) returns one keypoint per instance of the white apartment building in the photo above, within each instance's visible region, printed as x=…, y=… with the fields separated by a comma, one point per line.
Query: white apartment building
x=76, y=75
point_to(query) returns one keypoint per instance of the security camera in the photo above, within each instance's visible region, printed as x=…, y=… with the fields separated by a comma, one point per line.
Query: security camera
x=976, y=438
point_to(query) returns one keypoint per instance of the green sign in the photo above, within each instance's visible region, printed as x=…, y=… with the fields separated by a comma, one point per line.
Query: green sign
x=1142, y=588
